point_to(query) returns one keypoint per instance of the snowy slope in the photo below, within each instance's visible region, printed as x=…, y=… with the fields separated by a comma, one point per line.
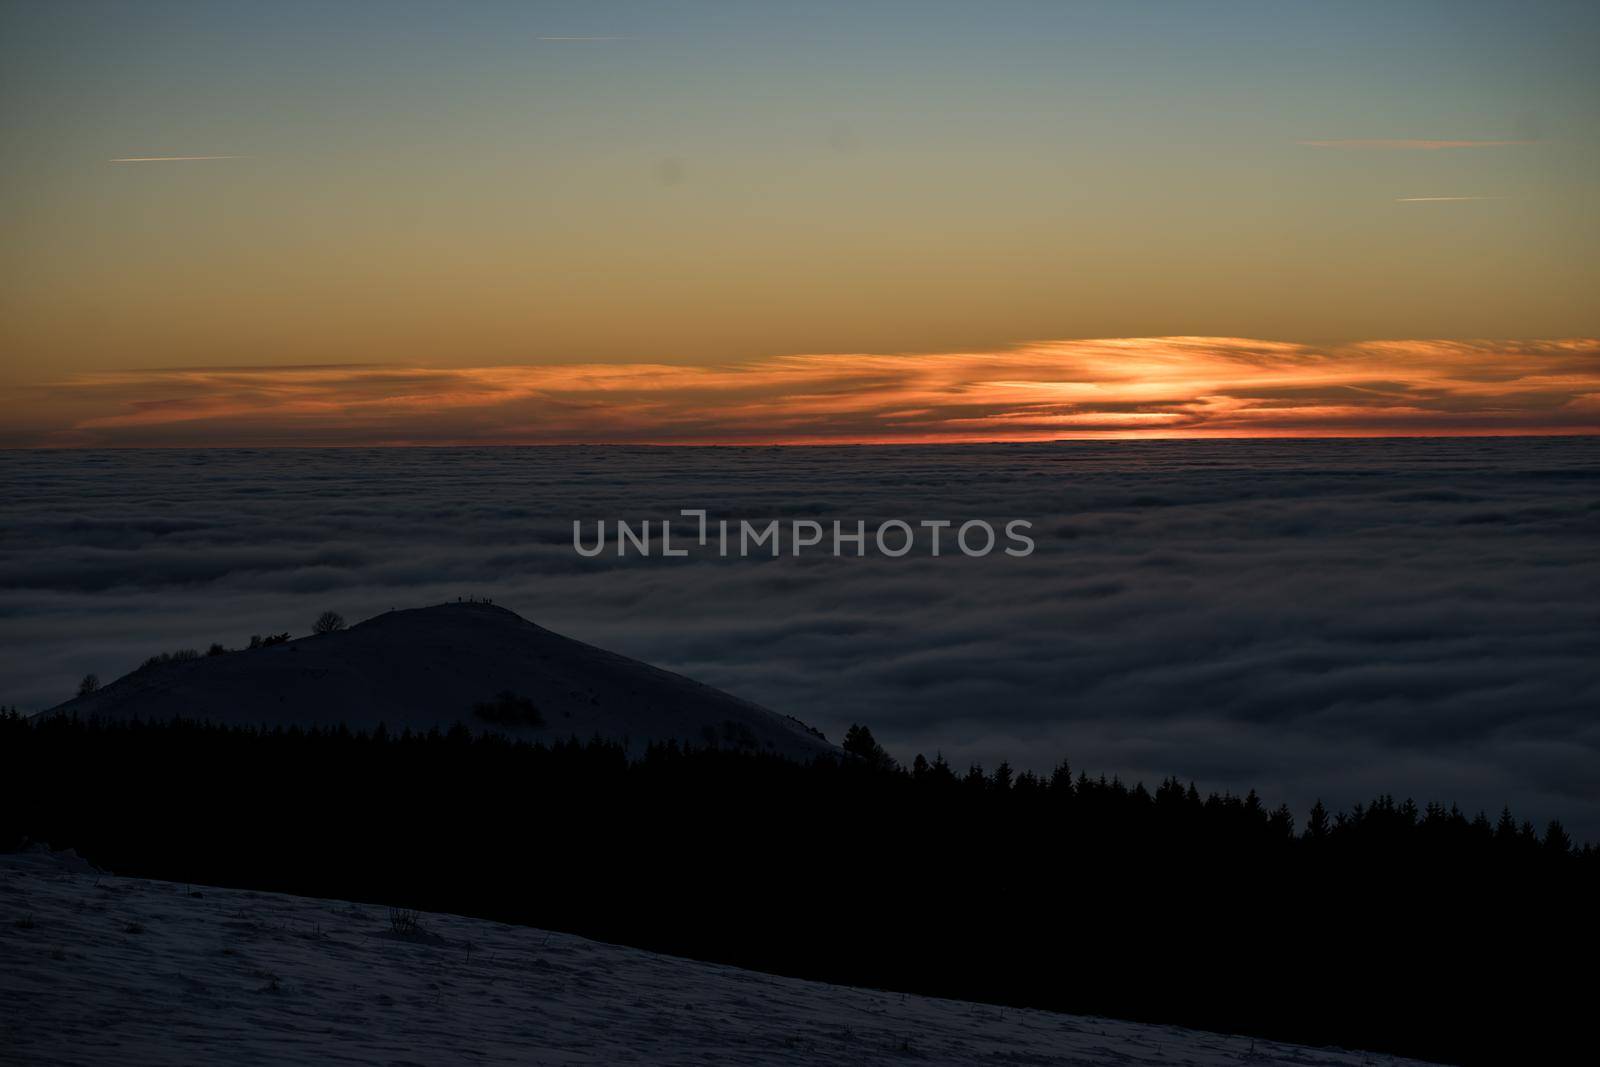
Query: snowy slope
x=118, y=970
x=430, y=667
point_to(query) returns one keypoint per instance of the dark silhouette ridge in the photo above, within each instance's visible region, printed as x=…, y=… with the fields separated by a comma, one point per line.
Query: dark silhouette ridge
x=1389, y=927
x=434, y=666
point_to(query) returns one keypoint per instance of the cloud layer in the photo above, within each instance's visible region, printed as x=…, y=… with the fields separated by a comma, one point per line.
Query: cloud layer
x=1310, y=618
x=1130, y=387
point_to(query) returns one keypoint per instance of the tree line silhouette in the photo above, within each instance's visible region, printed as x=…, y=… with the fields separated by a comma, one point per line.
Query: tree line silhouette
x=1419, y=931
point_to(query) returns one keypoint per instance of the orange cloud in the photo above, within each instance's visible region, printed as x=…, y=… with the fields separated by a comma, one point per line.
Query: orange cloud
x=1127, y=387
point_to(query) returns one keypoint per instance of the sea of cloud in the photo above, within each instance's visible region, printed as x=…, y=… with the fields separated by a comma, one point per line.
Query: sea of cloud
x=1312, y=619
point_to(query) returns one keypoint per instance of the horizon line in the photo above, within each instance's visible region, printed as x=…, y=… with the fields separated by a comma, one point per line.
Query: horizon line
x=1109, y=437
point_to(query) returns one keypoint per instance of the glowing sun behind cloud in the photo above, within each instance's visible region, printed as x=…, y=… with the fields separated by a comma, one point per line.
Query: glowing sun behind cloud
x=1128, y=387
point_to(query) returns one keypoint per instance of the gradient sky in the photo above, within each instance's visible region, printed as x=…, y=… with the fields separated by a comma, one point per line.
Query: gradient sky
x=593, y=221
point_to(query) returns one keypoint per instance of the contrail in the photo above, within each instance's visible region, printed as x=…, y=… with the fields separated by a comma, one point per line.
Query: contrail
x=168, y=159
x=1440, y=199
x=577, y=38
x=1411, y=143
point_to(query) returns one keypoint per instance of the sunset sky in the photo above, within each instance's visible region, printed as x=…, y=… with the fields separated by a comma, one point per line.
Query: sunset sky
x=287, y=223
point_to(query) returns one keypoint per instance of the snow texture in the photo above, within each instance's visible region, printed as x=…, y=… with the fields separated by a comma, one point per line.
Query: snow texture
x=96, y=969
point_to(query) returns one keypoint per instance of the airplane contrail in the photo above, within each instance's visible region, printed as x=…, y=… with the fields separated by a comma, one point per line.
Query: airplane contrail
x=167, y=159
x=1409, y=143
x=1440, y=199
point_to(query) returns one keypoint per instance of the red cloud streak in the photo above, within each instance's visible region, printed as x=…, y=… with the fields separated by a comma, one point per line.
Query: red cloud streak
x=1126, y=387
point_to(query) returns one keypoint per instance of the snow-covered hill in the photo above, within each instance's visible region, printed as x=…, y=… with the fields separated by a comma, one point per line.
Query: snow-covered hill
x=95, y=969
x=433, y=666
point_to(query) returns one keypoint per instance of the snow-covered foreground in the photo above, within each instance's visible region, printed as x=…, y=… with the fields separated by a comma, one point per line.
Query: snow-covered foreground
x=96, y=969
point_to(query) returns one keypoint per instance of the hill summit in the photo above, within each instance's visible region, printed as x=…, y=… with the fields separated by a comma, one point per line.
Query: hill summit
x=431, y=667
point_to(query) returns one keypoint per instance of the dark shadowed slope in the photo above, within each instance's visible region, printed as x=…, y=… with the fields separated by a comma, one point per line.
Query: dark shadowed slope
x=229, y=976
x=434, y=666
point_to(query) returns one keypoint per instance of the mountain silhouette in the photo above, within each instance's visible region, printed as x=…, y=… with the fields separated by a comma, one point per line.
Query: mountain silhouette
x=432, y=667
